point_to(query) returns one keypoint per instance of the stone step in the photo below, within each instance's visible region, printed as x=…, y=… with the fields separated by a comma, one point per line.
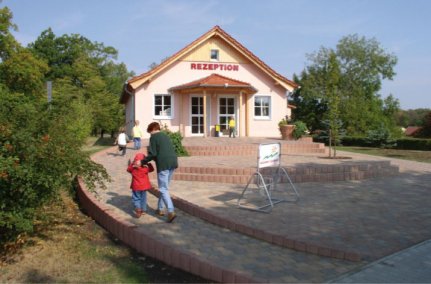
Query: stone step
x=251, y=150
x=298, y=174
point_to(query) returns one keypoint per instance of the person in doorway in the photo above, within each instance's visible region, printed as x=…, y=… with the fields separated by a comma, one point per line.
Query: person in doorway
x=121, y=141
x=162, y=151
x=140, y=183
x=137, y=135
x=231, y=127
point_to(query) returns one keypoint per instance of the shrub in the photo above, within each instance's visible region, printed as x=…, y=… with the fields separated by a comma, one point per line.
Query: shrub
x=380, y=137
x=39, y=156
x=299, y=130
x=414, y=144
x=176, y=139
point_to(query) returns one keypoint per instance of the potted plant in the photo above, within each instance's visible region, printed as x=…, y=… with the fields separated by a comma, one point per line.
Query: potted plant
x=286, y=129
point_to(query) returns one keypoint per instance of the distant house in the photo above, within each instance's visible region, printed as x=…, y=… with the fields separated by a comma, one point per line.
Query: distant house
x=204, y=84
x=412, y=130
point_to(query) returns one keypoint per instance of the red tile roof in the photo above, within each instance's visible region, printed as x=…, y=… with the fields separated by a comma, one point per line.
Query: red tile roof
x=214, y=80
x=411, y=130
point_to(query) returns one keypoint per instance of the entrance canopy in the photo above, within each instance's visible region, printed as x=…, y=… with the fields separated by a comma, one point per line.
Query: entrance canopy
x=217, y=83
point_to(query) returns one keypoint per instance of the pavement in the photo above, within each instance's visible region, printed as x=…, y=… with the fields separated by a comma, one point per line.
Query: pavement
x=385, y=220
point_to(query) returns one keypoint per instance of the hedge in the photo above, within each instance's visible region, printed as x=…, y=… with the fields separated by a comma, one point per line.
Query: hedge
x=402, y=143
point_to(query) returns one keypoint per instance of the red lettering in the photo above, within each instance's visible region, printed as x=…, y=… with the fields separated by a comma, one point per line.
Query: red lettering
x=213, y=66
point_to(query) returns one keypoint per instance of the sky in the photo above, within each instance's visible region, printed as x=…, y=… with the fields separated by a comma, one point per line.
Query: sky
x=280, y=32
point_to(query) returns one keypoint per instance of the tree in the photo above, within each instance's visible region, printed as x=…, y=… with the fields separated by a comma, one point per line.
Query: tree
x=362, y=65
x=40, y=154
x=22, y=72
x=426, y=129
x=8, y=44
x=87, y=70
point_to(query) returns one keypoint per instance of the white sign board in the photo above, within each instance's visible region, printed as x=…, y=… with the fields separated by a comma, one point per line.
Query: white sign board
x=269, y=155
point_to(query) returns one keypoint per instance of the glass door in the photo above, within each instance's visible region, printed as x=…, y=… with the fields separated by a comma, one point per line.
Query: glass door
x=226, y=110
x=197, y=115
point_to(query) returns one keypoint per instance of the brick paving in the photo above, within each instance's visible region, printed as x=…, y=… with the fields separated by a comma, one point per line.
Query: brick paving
x=373, y=217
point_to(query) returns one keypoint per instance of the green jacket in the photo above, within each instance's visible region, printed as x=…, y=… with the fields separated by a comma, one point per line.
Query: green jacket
x=162, y=152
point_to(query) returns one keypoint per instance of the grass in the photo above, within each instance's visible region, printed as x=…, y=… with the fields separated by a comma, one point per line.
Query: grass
x=96, y=144
x=68, y=246
x=418, y=156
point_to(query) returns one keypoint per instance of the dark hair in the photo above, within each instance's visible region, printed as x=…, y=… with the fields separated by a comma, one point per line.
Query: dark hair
x=153, y=126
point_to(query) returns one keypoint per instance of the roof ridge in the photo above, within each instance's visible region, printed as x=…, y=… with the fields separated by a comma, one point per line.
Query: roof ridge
x=216, y=30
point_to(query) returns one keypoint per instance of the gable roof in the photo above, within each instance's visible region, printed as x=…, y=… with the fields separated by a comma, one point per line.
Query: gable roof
x=215, y=81
x=412, y=130
x=137, y=81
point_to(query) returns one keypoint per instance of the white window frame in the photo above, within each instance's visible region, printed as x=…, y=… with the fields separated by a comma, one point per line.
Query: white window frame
x=235, y=107
x=262, y=117
x=155, y=116
x=218, y=55
x=190, y=120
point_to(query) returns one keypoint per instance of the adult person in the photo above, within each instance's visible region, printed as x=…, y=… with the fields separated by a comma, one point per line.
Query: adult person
x=231, y=127
x=162, y=151
x=137, y=135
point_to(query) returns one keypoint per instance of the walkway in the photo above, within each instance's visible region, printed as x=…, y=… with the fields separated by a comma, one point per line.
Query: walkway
x=373, y=218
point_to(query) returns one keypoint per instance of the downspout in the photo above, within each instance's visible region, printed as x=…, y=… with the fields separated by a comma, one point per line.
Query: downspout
x=132, y=95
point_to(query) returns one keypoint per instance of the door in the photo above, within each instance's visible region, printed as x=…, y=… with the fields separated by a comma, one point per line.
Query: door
x=227, y=107
x=197, y=115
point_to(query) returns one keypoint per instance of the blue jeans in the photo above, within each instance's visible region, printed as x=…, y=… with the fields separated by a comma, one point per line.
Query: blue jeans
x=137, y=141
x=139, y=199
x=163, y=179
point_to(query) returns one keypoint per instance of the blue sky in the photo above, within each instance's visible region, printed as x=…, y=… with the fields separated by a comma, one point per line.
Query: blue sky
x=280, y=32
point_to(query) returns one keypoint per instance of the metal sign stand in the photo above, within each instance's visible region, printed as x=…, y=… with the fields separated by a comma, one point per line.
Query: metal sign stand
x=268, y=156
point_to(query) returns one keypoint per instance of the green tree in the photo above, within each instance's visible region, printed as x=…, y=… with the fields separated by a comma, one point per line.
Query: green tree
x=362, y=65
x=22, y=72
x=40, y=155
x=85, y=69
x=8, y=44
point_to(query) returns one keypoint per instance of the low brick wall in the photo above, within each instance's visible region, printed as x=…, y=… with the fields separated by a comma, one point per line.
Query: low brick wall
x=137, y=238
x=279, y=240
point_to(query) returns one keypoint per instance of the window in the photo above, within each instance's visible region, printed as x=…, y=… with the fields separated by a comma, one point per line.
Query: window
x=214, y=55
x=163, y=106
x=262, y=107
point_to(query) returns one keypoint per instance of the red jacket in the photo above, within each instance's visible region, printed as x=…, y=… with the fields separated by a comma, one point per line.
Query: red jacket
x=140, y=180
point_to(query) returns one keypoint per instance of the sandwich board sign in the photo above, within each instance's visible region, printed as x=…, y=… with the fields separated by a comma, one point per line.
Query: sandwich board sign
x=269, y=156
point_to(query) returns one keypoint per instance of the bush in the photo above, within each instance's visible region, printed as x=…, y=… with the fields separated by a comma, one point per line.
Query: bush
x=39, y=156
x=299, y=130
x=380, y=137
x=176, y=139
x=414, y=144
x=402, y=144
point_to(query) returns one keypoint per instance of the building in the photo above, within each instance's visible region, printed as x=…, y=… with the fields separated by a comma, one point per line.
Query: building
x=204, y=84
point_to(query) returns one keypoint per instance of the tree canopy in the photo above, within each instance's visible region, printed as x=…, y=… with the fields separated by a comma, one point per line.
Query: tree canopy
x=40, y=142
x=351, y=77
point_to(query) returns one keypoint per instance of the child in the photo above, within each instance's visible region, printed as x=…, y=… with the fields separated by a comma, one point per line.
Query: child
x=140, y=183
x=121, y=141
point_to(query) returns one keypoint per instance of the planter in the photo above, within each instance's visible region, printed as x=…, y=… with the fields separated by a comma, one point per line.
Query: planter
x=286, y=132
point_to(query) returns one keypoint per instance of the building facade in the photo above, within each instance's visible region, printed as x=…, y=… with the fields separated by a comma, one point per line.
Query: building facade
x=206, y=83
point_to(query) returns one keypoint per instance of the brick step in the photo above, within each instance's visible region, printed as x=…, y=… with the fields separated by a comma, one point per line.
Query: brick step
x=306, y=173
x=251, y=150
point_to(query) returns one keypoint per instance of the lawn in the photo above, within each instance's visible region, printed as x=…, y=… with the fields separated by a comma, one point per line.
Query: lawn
x=419, y=156
x=68, y=246
x=96, y=144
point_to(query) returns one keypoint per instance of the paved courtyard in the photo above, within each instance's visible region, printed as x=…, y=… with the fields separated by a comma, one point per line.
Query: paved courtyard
x=374, y=218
